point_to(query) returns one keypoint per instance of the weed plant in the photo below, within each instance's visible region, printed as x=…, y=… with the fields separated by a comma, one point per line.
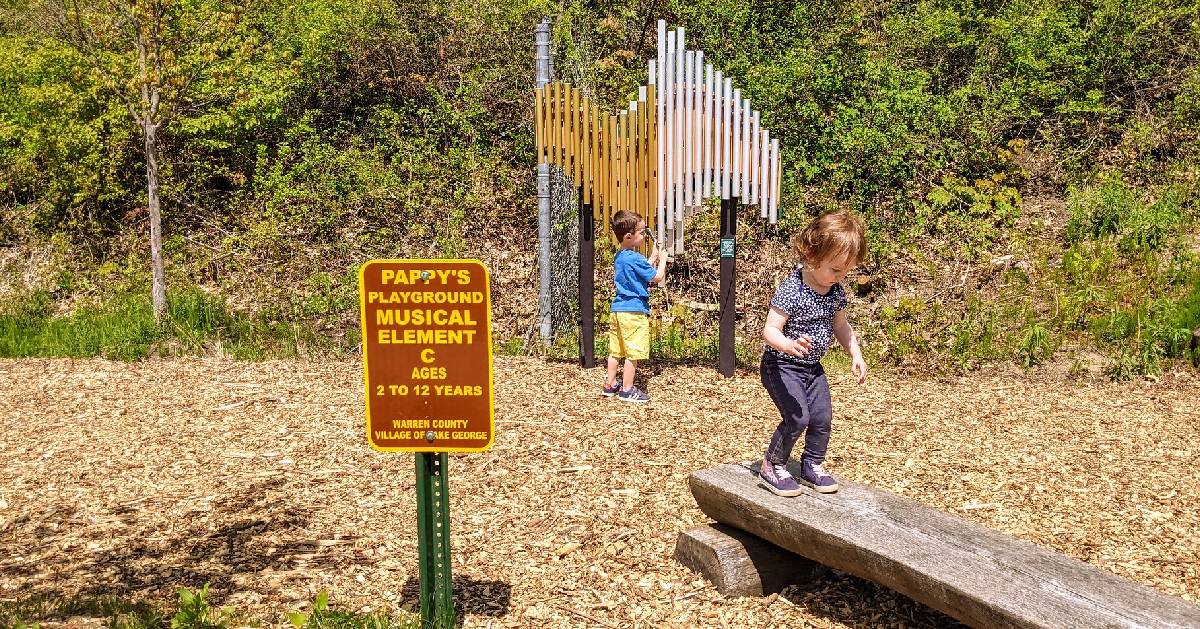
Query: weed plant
x=193, y=610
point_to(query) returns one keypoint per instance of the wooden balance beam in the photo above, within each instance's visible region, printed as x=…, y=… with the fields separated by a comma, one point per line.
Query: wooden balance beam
x=974, y=574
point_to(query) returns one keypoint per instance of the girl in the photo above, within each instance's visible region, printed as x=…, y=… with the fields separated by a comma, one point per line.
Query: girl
x=807, y=313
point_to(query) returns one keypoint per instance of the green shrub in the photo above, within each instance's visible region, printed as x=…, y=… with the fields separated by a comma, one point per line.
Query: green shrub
x=1036, y=344
x=322, y=617
x=195, y=612
x=1099, y=211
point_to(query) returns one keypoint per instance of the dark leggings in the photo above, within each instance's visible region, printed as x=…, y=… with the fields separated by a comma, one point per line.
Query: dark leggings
x=801, y=393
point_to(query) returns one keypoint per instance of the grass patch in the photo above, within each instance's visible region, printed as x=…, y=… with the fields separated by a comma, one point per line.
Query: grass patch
x=321, y=617
x=120, y=613
x=123, y=328
x=192, y=610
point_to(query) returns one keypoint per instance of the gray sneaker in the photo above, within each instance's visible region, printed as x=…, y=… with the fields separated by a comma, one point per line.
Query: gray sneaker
x=635, y=395
x=611, y=391
x=777, y=480
x=814, y=476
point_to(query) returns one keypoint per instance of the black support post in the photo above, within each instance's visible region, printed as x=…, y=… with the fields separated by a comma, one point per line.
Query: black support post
x=728, y=300
x=587, y=274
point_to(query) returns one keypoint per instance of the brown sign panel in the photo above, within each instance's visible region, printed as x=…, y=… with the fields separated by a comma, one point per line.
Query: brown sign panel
x=427, y=355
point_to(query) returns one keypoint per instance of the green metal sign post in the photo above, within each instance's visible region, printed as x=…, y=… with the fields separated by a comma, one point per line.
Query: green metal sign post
x=433, y=540
x=427, y=372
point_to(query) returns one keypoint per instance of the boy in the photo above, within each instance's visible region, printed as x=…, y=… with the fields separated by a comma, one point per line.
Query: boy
x=629, y=329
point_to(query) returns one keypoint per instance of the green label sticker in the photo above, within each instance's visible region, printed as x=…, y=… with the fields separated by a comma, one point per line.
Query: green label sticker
x=727, y=247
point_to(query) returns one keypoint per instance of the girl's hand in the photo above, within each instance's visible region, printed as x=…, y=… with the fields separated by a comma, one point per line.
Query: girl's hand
x=801, y=346
x=859, y=368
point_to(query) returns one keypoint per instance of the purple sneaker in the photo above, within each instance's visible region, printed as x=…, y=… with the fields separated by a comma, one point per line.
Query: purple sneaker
x=777, y=480
x=611, y=391
x=814, y=476
x=635, y=395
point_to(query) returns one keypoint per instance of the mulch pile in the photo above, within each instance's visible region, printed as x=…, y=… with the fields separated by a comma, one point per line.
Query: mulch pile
x=131, y=480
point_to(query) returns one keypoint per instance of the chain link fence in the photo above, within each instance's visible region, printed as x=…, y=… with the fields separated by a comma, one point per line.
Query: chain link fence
x=564, y=256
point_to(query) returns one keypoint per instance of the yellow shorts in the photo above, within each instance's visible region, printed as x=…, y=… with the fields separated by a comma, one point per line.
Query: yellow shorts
x=629, y=335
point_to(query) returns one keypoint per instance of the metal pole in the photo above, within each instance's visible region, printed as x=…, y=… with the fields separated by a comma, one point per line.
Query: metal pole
x=433, y=541
x=728, y=300
x=587, y=262
x=543, y=190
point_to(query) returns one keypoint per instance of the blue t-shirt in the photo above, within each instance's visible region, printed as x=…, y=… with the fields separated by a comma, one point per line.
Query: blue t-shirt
x=809, y=313
x=632, y=274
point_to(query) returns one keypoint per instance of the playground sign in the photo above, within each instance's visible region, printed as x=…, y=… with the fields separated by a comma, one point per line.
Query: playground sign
x=427, y=355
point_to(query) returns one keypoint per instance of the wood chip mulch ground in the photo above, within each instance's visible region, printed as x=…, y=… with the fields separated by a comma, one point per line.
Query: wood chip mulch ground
x=131, y=480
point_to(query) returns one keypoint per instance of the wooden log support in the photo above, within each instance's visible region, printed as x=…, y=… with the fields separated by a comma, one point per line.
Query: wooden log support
x=740, y=564
x=974, y=574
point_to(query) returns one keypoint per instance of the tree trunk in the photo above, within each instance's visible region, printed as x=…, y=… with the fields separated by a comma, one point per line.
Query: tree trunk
x=158, y=287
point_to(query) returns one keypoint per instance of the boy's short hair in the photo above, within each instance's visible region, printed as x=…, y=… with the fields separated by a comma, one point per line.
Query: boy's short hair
x=832, y=235
x=624, y=222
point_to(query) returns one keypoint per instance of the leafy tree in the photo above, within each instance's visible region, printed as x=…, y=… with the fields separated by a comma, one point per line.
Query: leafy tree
x=151, y=54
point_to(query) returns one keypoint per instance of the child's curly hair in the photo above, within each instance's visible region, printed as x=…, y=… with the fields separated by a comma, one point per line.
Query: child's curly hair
x=832, y=235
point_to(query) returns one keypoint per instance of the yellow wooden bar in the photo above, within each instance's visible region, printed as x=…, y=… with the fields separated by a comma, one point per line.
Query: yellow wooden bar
x=563, y=121
x=631, y=176
x=555, y=126
x=569, y=132
x=619, y=171
x=552, y=122
x=597, y=170
x=631, y=162
x=568, y=154
x=560, y=104
x=638, y=161
x=537, y=122
x=589, y=152
x=620, y=181
x=579, y=135
x=646, y=115
x=617, y=165
x=610, y=183
x=635, y=162
x=583, y=151
x=643, y=159
x=577, y=109
x=633, y=165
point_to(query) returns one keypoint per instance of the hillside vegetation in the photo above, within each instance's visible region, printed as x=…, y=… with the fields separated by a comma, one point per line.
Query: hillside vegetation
x=1027, y=168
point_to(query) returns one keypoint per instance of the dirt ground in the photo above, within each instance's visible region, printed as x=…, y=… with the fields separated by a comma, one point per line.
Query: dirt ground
x=132, y=480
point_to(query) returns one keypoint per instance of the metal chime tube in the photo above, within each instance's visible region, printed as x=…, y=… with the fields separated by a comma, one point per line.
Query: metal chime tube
x=677, y=145
x=765, y=183
x=726, y=137
x=766, y=178
x=680, y=85
x=708, y=130
x=735, y=180
x=666, y=138
x=697, y=108
x=753, y=170
x=776, y=185
x=745, y=185
x=689, y=98
x=661, y=91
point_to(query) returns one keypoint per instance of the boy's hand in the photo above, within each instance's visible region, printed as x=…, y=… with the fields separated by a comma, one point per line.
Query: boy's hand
x=859, y=368
x=801, y=346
